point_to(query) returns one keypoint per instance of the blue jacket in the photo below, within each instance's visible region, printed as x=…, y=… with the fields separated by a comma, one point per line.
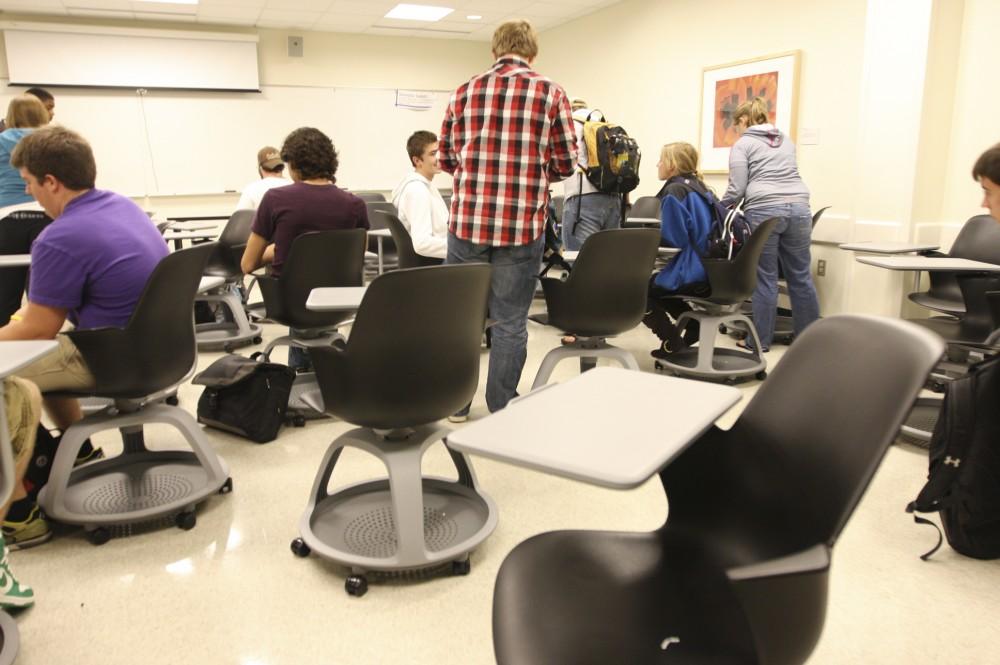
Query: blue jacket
x=686, y=220
x=11, y=182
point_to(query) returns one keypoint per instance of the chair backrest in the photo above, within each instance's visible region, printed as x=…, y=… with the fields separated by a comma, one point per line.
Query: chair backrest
x=558, y=203
x=646, y=206
x=818, y=214
x=408, y=257
x=225, y=261
x=979, y=240
x=369, y=196
x=413, y=354
x=734, y=281
x=606, y=290
x=377, y=207
x=821, y=423
x=156, y=349
x=317, y=259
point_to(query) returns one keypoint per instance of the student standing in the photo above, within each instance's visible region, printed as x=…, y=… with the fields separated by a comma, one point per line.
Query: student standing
x=586, y=210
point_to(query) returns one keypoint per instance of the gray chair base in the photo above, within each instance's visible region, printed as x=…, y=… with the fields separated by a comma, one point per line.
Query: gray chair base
x=708, y=362
x=585, y=348
x=139, y=485
x=10, y=640
x=404, y=522
x=305, y=402
x=227, y=335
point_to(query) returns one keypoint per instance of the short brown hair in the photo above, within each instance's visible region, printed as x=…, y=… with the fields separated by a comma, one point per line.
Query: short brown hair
x=26, y=111
x=755, y=110
x=311, y=153
x=988, y=165
x=517, y=37
x=60, y=153
x=418, y=142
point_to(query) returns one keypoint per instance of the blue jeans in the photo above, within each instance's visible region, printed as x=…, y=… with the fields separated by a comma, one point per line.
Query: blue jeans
x=789, y=242
x=512, y=286
x=587, y=214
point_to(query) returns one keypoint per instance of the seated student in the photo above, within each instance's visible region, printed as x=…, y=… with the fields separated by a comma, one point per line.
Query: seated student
x=271, y=170
x=89, y=266
x=312, y=203
x=987, y=173
x=24, y=115
x=686, y=220
x=44, y=96
x=421, y=208
x=22, y=404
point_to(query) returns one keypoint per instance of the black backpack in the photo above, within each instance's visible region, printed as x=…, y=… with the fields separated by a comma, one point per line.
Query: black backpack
x=964, y=480
x=612, y=157
x=730, y=229
x=244, y=396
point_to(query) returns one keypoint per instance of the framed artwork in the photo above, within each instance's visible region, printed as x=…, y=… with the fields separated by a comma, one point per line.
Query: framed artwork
x=724, y=87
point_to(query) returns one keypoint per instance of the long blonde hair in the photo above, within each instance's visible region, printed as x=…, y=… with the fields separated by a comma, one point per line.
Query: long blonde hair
x=681, y=157
x=754, y=110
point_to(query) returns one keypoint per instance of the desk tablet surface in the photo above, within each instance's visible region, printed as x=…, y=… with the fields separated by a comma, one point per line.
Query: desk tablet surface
x=19, y=354
x=625, y=427
x=335, y=298
x=15, y=260
x=927, y=263
x=887, y=247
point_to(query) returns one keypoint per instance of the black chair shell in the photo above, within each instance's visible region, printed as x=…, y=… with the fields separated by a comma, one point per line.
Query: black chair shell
x=646, y=206
x=979, y=240
x=369, y=196
x=225, y=262
x=408, y=257
x=978, y=322
x=734, y=281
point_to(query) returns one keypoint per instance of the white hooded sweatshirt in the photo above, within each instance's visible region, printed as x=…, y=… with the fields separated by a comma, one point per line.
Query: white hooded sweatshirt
x=424, y=213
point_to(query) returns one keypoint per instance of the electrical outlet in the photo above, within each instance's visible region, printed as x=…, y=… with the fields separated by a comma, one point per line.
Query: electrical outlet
x=821, y=268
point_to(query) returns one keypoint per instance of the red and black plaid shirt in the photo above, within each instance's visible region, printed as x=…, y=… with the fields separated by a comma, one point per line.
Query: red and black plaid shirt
x=506, y=134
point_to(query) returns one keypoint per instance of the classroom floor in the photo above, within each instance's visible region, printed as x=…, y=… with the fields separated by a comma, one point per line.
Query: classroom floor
x=231, y=592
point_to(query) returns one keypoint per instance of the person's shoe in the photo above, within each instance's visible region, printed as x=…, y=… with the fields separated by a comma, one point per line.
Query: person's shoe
x=12, y=593
x=86, y=455
x=460, y=416
x=664, y=351
x=32, y=531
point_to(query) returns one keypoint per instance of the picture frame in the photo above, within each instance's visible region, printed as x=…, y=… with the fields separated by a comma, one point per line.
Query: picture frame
x=723, y=87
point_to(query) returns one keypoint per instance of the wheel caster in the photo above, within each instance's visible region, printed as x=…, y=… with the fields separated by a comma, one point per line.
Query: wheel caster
x=298, y=421
x=658, y=365
x=99, y=536
x=227, y=486
x=186, y=520
x=172, y=400
x=723, y=329
x=300, y=549
x=356, y=585
x=228, y=348
x=461, y=567
x=258, y=339
x=761, y=375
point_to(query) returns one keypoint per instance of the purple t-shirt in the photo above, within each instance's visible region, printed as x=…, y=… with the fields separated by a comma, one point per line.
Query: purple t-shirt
x=287, y=212
x=94, y=259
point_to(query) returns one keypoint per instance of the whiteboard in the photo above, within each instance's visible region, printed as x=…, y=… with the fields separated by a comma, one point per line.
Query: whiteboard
x=207, y=142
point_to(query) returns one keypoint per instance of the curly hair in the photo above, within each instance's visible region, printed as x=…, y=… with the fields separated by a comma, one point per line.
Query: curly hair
x=311, y=153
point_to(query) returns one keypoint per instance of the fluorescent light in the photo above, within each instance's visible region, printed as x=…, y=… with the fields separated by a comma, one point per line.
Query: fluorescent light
x=473, y=17
x=418, y=12
x=171, y=2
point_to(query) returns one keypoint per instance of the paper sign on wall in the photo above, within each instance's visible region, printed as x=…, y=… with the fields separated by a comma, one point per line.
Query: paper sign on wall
x=809, y=136
x=415, y=100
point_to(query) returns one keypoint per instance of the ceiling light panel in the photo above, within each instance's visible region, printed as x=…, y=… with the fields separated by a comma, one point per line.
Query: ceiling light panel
x=427, y=13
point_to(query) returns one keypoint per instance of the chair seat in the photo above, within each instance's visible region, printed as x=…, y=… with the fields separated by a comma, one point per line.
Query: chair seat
x=953, y=330
x=943, y=305
x=614, y=597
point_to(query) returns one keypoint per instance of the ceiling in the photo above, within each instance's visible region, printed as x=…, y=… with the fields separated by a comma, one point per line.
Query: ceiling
x=357, y=16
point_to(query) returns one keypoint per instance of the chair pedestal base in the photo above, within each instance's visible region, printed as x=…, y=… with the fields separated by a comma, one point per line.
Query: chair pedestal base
x=10, y=640
x=139, y=485
x=585, y=348
x=404, y=522
x=231, y=334
x=709, y=362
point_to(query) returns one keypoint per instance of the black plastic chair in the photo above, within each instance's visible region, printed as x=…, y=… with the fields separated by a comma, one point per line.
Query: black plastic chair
x=412, y=359
x=384, y=248
x=739, y=572
x=646, y=207
x=408, y=257
x=236, y=330
x=369, y=196
x=732, y=283
x=137, y=366
x=605, y=295
x=979, y=240
x=977, y=324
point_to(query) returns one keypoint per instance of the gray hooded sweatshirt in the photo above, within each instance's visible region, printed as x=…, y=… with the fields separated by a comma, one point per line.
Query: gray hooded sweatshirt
x=763, y=169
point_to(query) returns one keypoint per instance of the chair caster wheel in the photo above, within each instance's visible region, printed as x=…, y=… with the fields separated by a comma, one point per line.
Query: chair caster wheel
x=461, y=567
x=723, y=329
x=186, y=520
x=658, y=365
x=258, y=339
x=99, y=536
x=298, y=421
x=356, y=585
x=227, y=486
x=228, y=348
x=761, y=375
x=173, y=400
x=300, y=549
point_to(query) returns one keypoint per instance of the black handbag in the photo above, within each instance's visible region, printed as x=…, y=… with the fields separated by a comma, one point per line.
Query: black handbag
x=244, y=396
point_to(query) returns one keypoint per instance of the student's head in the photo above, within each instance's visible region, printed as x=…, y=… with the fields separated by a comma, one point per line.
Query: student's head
x=269, y=162
x=751, y=112
x=46, y=98
x=26, y=111
x=987, y=172
x=676, y=159
x=422, y=147
x=577, y=104
x=515, y=38
x=57, y=164
x=310, y=155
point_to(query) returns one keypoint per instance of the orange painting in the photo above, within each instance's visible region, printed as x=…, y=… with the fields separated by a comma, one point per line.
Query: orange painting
x=730, y=93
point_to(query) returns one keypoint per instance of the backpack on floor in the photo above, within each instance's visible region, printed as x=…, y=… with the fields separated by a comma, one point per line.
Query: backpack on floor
x=612, y=157
x=730, y=229
x=244, y=396
x=964, y=480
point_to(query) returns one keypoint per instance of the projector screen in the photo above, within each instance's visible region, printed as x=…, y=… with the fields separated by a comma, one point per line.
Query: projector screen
x=127, y=58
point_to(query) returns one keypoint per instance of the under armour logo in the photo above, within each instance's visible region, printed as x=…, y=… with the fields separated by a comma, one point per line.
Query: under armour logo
x=670, y=640
x=954, y=461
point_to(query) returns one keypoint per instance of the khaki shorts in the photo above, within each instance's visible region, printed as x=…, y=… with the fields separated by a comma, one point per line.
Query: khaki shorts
x=63, y=369
x=22, y=417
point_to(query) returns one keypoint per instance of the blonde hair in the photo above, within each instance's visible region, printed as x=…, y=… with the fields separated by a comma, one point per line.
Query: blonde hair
x=755, y=110
x=517, y=37
x=681, y=157
x=26, y=111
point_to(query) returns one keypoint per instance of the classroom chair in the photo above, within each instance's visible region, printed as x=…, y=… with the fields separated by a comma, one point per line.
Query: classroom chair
x=137, y=367
x=367, y=196
x=408, y=257
x=732, y=282
x=235, y=330
x=381, y=247
x=604, y=295
x=739, y=572
x=412, y=360
x=646, y=207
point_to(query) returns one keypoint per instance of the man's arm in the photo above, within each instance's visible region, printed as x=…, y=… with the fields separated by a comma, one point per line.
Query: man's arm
x=446, y=147
x=34, y=322
x=256, y=253
x=739, y=176
x=562, y=142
